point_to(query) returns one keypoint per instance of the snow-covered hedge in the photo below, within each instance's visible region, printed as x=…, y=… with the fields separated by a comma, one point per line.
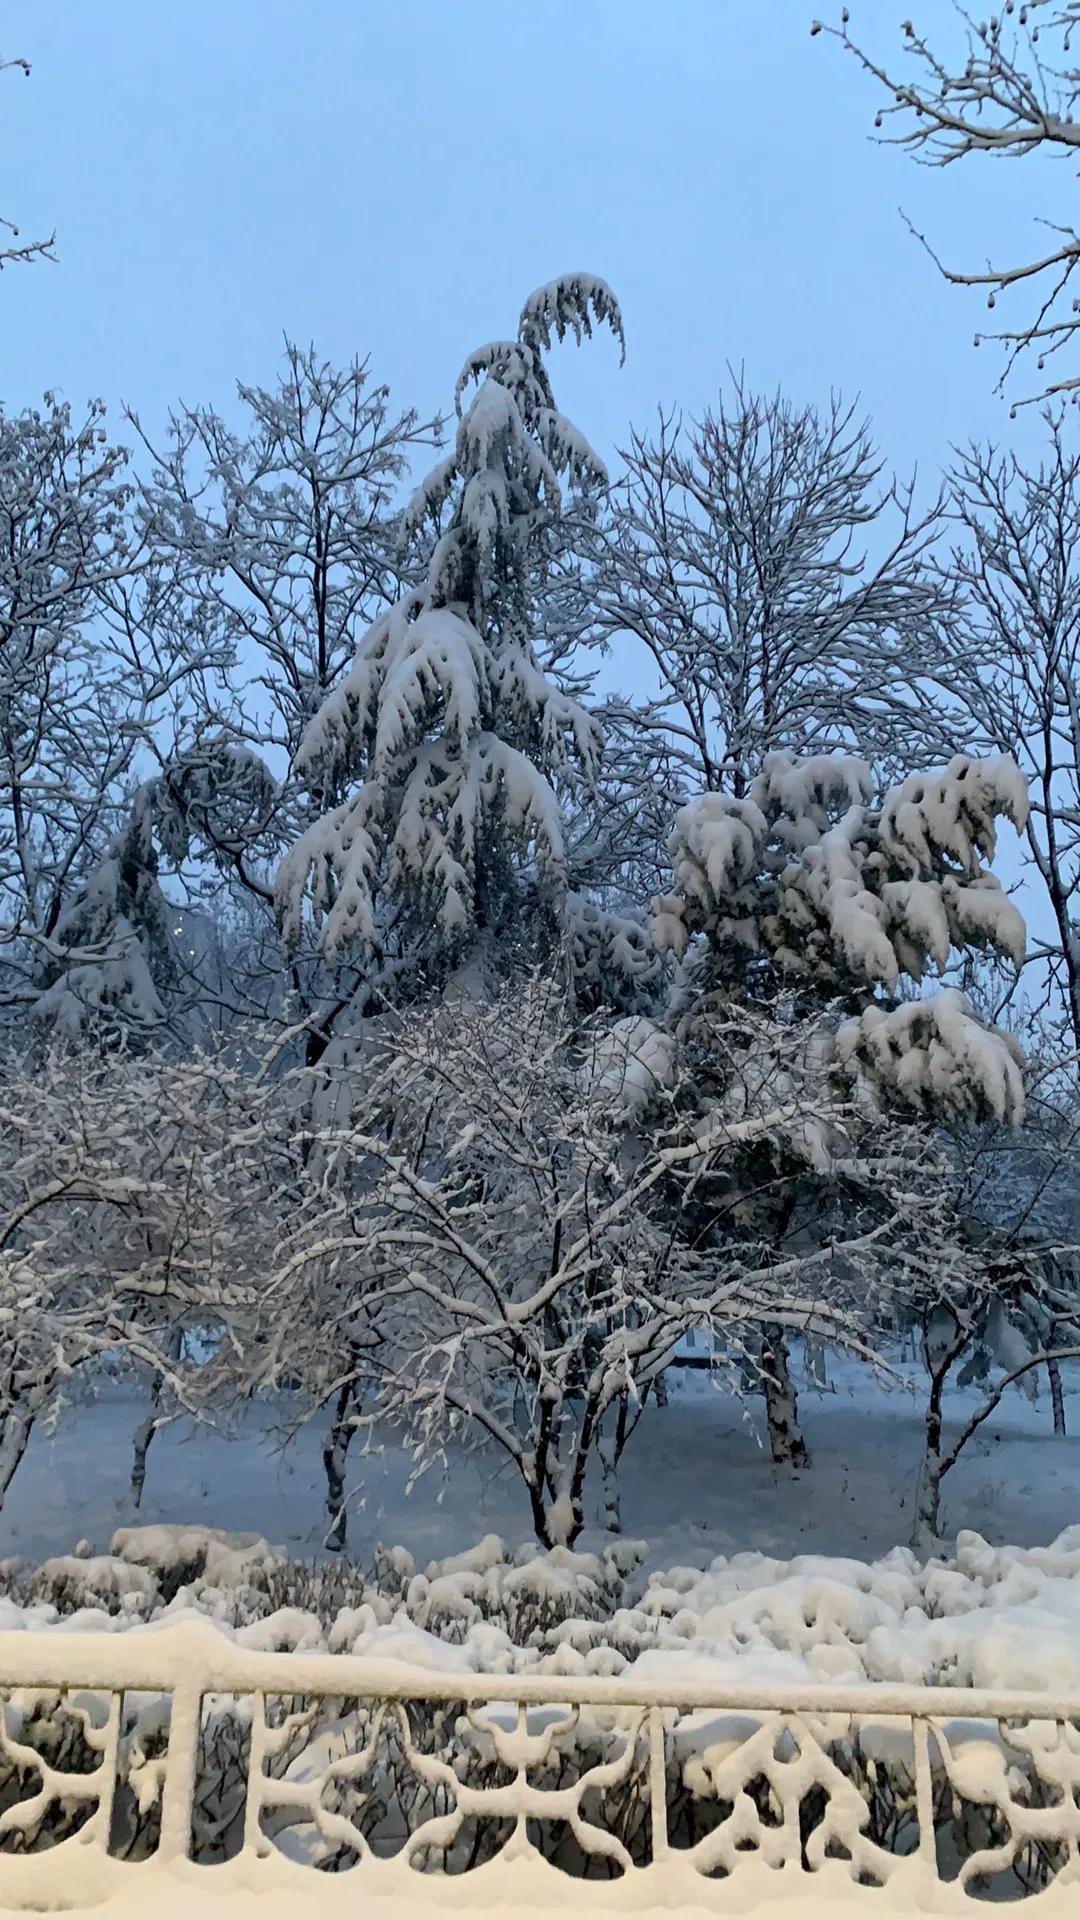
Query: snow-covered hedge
x=988, y=1617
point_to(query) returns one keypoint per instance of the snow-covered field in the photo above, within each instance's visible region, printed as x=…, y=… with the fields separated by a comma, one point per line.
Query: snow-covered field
x=697, y=1480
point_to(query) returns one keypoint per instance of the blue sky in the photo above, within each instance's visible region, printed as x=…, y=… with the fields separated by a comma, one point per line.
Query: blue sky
x=391, y=177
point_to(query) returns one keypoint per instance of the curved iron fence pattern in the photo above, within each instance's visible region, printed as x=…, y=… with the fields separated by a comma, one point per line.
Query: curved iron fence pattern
x=174, y=1748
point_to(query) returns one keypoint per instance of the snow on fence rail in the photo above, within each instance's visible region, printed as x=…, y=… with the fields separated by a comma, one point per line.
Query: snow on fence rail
x=173, y=1750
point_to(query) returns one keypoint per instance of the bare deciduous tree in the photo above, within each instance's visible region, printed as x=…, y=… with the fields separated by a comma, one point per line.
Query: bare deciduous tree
x=1008, y=89
x=1004, y=670
x=502, y=1244
x=19, y=251
x=133, y=1193
x=738, y=557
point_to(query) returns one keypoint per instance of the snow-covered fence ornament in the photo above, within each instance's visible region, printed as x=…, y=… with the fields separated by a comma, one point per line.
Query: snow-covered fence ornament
x=386, y=1775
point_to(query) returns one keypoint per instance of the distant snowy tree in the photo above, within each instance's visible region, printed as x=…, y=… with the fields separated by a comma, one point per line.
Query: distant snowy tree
x=138, y=1196
x=96, y=660
x=285, y=526
x=445, y=718
x=737, y=556
x=1005, y=673
x=1011, y=1313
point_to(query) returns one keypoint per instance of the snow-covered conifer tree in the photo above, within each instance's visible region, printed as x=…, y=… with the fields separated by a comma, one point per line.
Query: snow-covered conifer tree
x=113, y=961
x=445, y=722
x=805, y=898
x=805, y=884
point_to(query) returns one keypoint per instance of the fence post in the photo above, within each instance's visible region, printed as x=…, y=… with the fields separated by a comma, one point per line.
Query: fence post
x=924, y=1800
x=658, y=1785
x=185, y=1720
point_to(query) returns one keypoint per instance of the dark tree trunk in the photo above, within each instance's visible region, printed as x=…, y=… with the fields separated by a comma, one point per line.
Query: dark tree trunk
x=789, y=1449
x=335, y=1455
x=1057, y=1397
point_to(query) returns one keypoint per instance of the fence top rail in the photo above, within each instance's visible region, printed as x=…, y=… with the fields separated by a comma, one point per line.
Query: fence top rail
x=195, y=1657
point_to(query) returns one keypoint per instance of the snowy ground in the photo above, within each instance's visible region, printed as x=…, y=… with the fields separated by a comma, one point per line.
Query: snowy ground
x=696, y=1482
x=177, y=1901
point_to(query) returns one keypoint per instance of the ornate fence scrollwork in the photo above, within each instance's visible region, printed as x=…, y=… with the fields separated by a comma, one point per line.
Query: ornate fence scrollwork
x=246, y=1769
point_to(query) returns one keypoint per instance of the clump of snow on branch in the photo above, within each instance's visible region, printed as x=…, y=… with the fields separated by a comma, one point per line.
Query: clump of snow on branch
x=612, y=957
x=937, y=1056
x=806, y=877
x=632, y=1061
x=806, y=870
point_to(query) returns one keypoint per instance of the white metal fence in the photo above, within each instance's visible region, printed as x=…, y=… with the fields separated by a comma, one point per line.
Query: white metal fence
x=171, y=1748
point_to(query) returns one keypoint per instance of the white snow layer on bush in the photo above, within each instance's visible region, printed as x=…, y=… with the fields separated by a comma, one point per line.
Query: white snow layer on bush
x=990, y=1617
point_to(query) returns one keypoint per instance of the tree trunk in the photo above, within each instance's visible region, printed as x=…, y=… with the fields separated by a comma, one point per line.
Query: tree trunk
x=16, y=1427
x=789, y=1449
x=335, y=1454
x=610, y=1445
x=927, y=1529
x=144, y=1434
x=1057, y=1397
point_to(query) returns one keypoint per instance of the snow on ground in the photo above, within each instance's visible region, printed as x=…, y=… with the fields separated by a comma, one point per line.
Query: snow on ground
x=697, y=1481
x=176, y=1899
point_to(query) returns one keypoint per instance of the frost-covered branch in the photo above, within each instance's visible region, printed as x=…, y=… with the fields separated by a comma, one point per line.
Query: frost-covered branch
x=1009, y=90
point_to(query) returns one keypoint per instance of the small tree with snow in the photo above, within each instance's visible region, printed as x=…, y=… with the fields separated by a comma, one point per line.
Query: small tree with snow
x=488, y=1254
x=138, y=1198
x=445, y=719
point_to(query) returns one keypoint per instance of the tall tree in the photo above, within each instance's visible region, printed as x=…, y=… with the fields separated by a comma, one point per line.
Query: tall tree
x=286, y=528
x=445, y=717
x=97, y=664
x=1009, y=664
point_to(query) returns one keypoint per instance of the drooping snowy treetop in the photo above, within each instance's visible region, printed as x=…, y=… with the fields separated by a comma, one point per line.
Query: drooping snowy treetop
x=111, y=957
x=445, y=718
x=805, y=880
